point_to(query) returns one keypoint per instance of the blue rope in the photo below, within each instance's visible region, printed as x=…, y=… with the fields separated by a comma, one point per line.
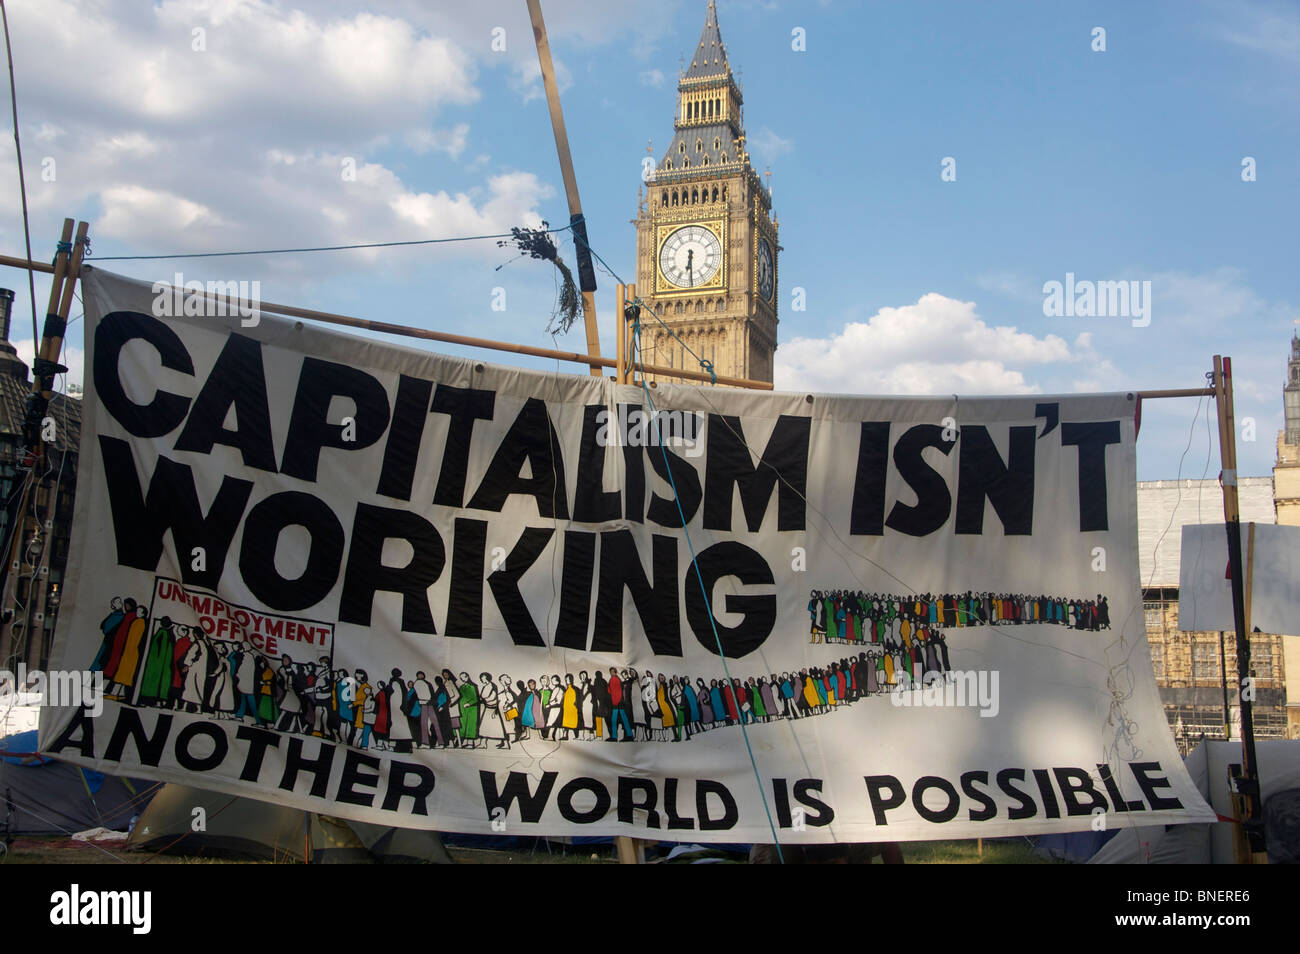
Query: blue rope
x=704, y=591
x=705, y=365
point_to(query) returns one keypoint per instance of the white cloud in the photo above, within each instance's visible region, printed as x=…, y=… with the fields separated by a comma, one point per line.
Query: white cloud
x=766, y=146
x=527, y=79
x=451, y=141
x=937, y=346
x=653, y=78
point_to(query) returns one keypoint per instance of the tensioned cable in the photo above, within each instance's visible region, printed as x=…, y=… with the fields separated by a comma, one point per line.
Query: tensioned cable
x=704, y=591
x=317, y=248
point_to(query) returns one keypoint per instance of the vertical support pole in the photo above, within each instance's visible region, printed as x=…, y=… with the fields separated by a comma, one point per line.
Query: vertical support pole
x=629, y=363
x=9, y=648
x=620, y=334
x=1248, y=783
x=586, y=271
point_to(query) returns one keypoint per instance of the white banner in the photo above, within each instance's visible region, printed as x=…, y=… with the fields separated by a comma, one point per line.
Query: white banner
x=1271, y=578
x=406, y=588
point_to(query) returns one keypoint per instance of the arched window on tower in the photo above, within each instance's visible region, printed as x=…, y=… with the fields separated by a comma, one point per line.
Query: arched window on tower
x=663, y=201
x=674, y=197
x=715, y=188
x=695, y=196
x=724, y=193
x=705, y=161
x=699, y=145
x=710, y=109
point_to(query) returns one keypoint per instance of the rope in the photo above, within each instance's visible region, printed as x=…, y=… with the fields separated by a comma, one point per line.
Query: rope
x=318, y=248
x=704, y=591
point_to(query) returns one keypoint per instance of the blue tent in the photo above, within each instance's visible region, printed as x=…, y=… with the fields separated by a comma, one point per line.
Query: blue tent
x=42, y=796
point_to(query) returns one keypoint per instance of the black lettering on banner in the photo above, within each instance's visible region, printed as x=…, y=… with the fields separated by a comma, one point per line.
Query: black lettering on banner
x=409, y=780
x=259, y=741
x=781, y=802
x=359, y=770
x=296, y=763
x=592, y=503
x=149, y=748
x=629, y=804
x=885, y=793
x=463, y=406
x=675, y=470
x=1009, y=486
x=367, y=575
x=402, y=450
x=867, y=515
x=531, y=438
x=465, y=601
x=933, y=500
x=822, y=814
x=1092, y=440
x=633, y=473
x=171, y=503
x=988, y=808
x=730, y=813
x=575, y=589
x=78, y=734
x=757, y=611
x=564, y=801
x=656, y=605
x=1112, y=789
x=1075, y=782
x=1142, y=772
x=783, y=467
x=166, y=411
x=937, y=815
x=676, y=822
x=531, y=804
x=238, y=380
x=310, y=430
x=1025, y=805
x=201, y=763
x=1050, y=808
x=504, y=583
x=262, y=529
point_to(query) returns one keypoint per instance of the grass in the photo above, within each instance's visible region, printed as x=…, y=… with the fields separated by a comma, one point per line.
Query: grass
x=55, y=850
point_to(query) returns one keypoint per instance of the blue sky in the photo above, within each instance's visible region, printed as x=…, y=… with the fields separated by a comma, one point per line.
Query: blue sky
x=1117, y=165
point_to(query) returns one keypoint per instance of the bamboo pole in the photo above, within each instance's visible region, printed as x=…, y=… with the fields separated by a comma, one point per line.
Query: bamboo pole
x=620, y=332
x=292, y=311
x=586, y=272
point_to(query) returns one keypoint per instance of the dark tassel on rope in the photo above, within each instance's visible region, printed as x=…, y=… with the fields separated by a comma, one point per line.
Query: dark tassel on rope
x=537, y=243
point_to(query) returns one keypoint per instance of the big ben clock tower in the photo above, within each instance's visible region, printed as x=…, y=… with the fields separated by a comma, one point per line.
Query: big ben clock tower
x=706, y=238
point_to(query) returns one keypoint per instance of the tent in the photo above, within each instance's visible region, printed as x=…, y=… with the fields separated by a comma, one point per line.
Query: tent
x=232, y=826
x=1279, y=772
x=41, y=796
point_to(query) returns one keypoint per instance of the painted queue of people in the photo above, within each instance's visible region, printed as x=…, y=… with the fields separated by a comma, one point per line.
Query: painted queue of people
x=182, y=668
x=852, y=616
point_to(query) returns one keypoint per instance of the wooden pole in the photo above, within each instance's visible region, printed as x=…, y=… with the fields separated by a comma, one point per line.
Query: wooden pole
x=620, y=333
x=1248, y=800
x=66, y=266
x=366, y=324
x=586, y=271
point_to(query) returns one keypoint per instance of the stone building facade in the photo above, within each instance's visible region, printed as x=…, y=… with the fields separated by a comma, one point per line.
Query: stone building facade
x=706, y=235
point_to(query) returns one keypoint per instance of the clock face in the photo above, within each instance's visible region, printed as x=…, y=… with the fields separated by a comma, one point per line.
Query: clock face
x=691, y=256
x=765, y=269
